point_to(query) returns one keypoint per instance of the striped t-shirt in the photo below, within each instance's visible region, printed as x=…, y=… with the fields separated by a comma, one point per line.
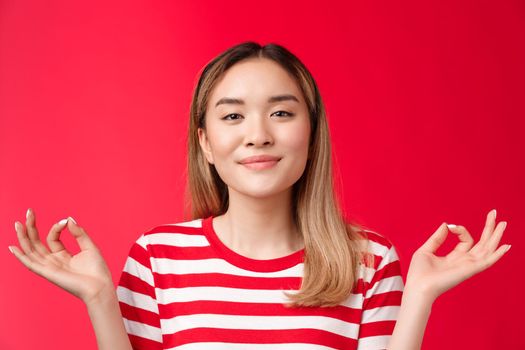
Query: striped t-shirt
x=183, y=288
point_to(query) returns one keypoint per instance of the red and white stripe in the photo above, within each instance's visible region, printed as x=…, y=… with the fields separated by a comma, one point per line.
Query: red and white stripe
x=178, y=292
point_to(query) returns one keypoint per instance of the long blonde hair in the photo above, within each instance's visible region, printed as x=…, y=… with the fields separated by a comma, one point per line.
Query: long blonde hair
x=331, y=243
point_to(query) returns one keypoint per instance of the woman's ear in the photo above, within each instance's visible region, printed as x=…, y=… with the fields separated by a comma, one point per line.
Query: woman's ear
x=205, y=144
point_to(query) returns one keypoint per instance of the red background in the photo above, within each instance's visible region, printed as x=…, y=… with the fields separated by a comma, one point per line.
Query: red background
x=425, y=101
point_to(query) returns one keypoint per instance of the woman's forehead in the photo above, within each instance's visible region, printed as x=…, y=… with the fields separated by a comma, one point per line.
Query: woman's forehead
x=255, y=80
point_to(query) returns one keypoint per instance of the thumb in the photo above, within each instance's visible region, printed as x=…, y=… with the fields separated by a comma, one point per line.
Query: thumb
x=83, y=240
x=436, y=239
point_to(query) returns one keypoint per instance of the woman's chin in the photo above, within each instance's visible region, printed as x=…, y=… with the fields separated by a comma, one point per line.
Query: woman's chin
x=261, y=192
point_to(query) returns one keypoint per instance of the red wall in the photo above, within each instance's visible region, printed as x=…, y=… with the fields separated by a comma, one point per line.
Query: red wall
x=425, y=103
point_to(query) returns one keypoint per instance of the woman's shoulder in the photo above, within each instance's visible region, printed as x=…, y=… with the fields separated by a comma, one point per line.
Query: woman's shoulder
x=375, y=243
x=181, y=225
x=375, y=237
x=379, y=256
x=170, y=230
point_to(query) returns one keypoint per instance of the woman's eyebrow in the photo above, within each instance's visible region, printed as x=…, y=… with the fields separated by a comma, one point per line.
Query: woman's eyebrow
x=273, y=99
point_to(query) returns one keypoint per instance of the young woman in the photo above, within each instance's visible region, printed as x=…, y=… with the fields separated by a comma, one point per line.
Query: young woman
x=267, y=260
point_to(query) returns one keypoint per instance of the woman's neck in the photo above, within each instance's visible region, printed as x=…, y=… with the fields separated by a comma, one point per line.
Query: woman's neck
x=259, y=228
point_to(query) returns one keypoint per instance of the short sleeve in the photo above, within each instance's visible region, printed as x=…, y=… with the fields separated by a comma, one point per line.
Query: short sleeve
x=382, y=299
x=137, y=299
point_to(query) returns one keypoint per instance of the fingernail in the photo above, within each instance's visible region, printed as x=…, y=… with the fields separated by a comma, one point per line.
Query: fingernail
x=72, y=220
x=508, y=247
x=27, y=213
x=16, y=227
x=451, y=226
x=494, y=210
x=62, y=222
x=10, y=249
x=504, y=224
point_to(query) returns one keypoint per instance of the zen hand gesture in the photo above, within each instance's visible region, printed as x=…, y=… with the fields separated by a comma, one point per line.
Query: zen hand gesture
x=432, y=275
x=84, y=275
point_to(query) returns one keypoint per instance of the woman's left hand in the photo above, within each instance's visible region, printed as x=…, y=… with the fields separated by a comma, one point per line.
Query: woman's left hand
x=431, y=275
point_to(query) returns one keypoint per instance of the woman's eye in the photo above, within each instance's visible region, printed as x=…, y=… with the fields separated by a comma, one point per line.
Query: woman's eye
x=232, y=114
x=287, y=113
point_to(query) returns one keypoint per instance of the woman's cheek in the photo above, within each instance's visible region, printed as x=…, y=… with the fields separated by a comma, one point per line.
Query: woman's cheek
x=298, y=139
x=223, y=143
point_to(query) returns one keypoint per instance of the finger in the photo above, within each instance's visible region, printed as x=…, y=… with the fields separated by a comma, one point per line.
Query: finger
x=465, y=239
x=463, y=271
x=26, y=260
x=25, y=242
x=486, y=247
x=84, y=241
x=55, y=276
x=494, y=257
x=490, y=223
x=435, y=240
x=493, y=241
x=53, y=237
x=32, y=233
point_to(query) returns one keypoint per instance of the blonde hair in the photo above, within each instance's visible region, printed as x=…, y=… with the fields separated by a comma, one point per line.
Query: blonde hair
x=332, y=251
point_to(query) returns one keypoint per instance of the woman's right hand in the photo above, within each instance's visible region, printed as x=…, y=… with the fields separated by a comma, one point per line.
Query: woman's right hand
x=84, y=275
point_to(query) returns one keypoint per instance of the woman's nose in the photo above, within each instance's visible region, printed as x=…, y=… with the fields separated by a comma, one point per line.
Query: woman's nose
x=258, y=132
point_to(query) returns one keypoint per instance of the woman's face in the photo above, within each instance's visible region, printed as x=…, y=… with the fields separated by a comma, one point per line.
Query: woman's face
x=256, y=108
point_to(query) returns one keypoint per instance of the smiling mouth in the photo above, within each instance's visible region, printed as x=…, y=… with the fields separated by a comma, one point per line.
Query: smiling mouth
x=261, y=165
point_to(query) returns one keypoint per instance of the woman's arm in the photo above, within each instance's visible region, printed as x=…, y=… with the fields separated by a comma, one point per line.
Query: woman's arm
x=84, y=275
x=429, y=276
x=411, y=322
x=106, y=319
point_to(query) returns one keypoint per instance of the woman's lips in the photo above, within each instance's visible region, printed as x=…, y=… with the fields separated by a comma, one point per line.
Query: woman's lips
x=259, y=158
x=261, y=165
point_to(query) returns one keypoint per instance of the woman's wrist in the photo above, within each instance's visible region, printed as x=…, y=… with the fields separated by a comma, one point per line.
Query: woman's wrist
x=417, y=292
x=106, y=295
